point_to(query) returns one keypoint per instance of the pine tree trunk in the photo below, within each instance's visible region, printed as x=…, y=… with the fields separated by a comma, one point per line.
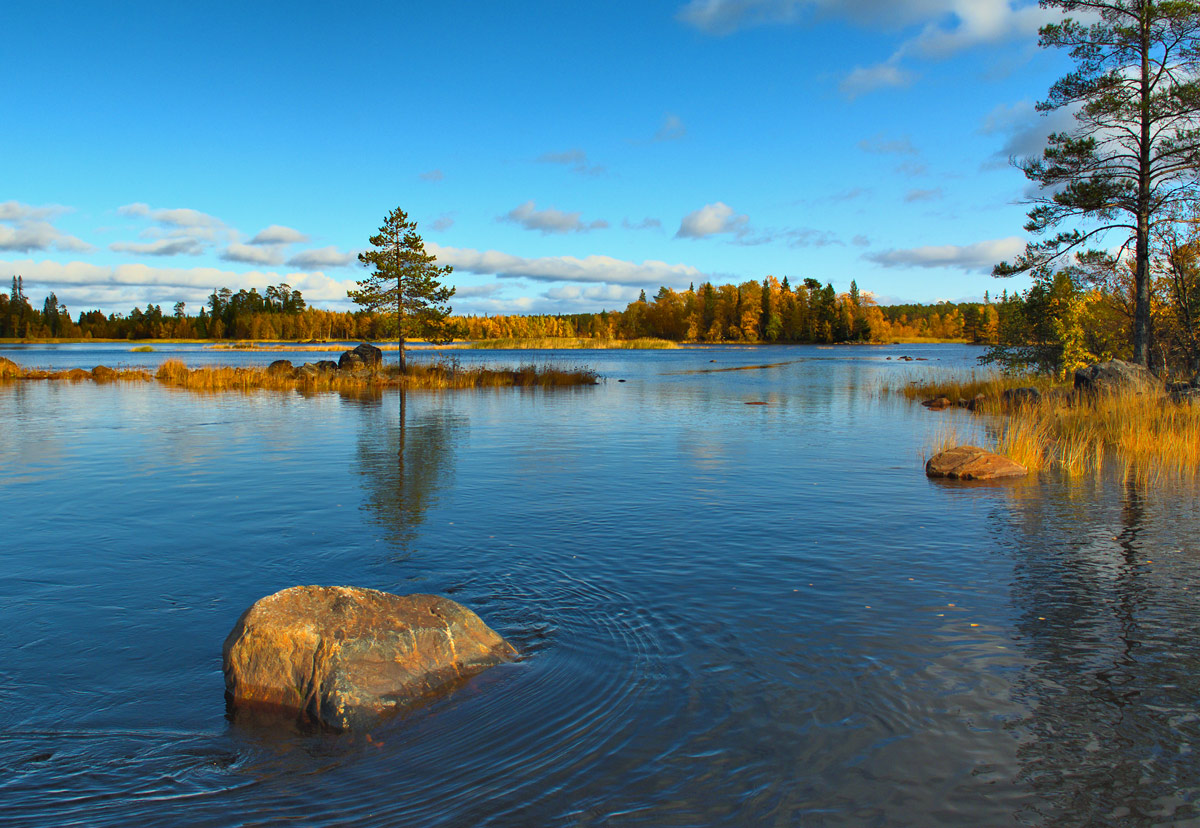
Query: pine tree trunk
x=1141, y=281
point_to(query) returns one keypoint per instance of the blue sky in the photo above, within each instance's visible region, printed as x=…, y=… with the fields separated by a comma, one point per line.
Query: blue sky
x=561, y=156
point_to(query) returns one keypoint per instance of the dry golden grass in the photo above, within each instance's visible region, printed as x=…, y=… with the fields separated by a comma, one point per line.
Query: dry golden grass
x=1143, y=433
x=434, y=376
x=437, y=375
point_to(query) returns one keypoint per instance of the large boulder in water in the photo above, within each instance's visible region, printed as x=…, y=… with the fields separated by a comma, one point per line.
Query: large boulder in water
x=973, y=463
x=342, y=655
x=364, y=356
x=281, y=368
x=1114, y=375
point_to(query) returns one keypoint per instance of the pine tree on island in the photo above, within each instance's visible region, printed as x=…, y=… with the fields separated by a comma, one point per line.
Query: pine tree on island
x=405, y=285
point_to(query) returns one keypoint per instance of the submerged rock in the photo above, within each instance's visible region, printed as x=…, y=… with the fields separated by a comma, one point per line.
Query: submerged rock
x=364, y=356
x=342, y=655
x=973, y=463
x=1116, y=374
x=937, y=403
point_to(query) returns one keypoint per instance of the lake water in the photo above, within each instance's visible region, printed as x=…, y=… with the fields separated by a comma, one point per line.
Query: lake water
x=728, y=614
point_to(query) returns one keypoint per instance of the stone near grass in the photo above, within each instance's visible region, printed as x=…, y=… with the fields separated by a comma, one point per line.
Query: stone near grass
x=1114, y=375
x=280, y=367
x=973, y=463
x=8, y=368
x=340, y=656
x=1026, y=395
x=102, y=373
x=325, y=365
x=364, y=356
x=937, y=403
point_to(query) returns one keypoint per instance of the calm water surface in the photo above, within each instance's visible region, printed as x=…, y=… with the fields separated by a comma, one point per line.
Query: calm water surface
x=729, y=614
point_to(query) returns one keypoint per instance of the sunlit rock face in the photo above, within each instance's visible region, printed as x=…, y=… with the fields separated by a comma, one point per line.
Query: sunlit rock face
x=341, y=656
x=973, y=463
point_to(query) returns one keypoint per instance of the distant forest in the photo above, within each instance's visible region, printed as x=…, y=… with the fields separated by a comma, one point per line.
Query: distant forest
x=766, y=311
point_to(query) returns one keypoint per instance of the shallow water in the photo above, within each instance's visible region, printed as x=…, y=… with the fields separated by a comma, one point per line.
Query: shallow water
x=729, y=614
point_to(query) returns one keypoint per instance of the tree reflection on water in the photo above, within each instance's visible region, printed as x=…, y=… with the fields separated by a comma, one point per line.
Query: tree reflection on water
x=404, y=461
x=1102, y=574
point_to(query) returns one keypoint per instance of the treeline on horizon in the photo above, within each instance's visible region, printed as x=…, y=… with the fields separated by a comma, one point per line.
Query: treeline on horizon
x=766, y=311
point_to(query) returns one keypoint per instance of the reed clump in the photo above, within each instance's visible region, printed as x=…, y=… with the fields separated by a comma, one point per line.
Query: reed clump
x=1140, y=430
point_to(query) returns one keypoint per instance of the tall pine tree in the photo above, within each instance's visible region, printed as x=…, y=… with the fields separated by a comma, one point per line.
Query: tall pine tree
x=1132, y=158
x=405, y=284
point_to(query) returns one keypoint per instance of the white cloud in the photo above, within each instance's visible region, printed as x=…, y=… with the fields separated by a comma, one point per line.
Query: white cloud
x=593, y=293
x=25, y=228
x=589, y=269
x=978, y=256
x=322, y=257
x=947, y=27
x=549, y=220
x=278, y=234
x=672, y=128
x=93, y=285
x=711, y=220
x=253, y=253
x=177, y=231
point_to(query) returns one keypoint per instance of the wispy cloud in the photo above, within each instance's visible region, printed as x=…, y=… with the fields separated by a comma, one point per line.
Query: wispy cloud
x=864, y=79
x=432, y=175
x=923, y=195
x=575, y=159
x=645, y=224
x=672, y=128
x=878, y=144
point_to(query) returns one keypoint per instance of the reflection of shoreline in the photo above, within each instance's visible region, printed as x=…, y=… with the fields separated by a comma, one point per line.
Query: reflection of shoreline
x=1111, y=632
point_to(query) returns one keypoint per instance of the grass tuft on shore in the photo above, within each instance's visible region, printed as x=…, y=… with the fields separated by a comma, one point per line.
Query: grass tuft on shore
x=1141, y=432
